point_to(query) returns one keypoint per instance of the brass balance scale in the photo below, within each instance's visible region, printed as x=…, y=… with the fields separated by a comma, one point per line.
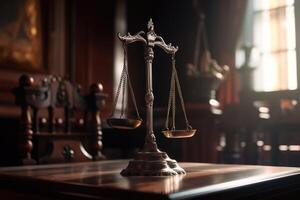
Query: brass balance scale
x=150, y=161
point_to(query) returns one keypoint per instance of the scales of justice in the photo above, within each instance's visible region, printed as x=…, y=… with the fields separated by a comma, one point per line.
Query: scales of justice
x=150, y=161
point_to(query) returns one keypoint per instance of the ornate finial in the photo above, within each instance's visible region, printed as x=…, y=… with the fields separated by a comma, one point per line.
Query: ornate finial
x=96, y=88
x=150, y=25
x=26, y=80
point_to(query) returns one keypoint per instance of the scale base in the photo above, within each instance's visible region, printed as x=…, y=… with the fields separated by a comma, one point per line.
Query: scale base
x=152, y=164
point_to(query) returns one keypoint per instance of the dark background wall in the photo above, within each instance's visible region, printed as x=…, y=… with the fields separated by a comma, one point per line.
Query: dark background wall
x=79, y=42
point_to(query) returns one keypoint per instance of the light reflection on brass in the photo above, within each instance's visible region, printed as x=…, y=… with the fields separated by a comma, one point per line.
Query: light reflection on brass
x=20, y=39
x=172, y=183
x=164, y=185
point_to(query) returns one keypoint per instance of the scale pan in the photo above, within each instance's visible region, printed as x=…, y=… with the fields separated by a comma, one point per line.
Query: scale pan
x=124, y=123
x=179, y=133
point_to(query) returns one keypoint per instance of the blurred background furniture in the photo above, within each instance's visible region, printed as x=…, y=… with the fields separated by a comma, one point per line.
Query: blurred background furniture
x=58, y=123
x=263, y=128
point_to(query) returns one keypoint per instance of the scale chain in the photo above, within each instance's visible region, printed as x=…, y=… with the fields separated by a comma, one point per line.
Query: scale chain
x=118, y=93
x=123, y=94
x=171, y=95
x=130, y=88
x=173, y=103
x=124, y=80
x=172, y=98
x=179, y=92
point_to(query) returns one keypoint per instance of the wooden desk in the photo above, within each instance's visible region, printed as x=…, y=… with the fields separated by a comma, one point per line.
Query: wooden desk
x=101, y=180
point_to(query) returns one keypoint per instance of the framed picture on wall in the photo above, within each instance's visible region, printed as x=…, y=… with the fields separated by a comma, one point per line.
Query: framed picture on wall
x=21, y=35
x=33, y=40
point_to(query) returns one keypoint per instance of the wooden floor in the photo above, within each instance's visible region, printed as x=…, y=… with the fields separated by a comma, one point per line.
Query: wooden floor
x=98, y=180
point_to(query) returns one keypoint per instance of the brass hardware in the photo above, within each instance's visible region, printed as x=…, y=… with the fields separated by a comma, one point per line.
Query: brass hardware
x=179, y=133
x=68, y=152
x=124, y=123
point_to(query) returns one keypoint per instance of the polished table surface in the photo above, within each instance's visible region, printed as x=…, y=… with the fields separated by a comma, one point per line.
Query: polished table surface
x=101, y=180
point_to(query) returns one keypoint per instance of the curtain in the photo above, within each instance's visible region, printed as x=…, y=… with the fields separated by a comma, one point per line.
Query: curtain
x=225, y=21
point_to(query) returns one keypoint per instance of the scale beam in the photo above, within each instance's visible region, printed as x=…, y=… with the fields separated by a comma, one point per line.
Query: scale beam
x=151, y=39
x=132, y=38
x=167, y=48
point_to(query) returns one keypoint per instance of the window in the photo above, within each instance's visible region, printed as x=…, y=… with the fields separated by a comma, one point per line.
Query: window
x=272, y=31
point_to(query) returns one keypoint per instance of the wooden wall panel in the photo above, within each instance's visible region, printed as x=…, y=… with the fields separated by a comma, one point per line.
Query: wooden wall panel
x=94, y=44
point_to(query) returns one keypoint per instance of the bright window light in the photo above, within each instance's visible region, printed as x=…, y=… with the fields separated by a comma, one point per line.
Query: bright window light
x=274, y=36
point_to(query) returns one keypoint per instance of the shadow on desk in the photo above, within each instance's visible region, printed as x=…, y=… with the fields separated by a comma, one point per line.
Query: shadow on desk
x=122, y=144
